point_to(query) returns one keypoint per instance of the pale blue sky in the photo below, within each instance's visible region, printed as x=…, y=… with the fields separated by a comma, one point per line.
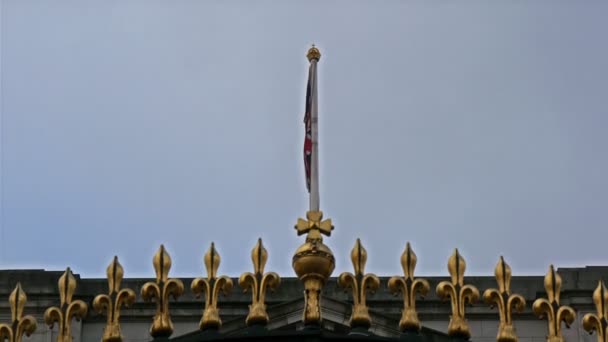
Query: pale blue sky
x=472, y=124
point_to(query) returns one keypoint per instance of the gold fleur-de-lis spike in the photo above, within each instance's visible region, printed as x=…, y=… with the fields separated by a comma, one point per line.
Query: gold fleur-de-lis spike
x=551, y=309
x=211, y=286
x=598, y=322
x=459, y=295
x=160, y=291
x=258, y=281
x=67, y=309
x=20, y=325
x=408, y=286
x=112, y=302
x=314, y=225
x=504, y=301
x=360, y=283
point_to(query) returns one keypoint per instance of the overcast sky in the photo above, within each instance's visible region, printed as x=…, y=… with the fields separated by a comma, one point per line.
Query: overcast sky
x=472, y=124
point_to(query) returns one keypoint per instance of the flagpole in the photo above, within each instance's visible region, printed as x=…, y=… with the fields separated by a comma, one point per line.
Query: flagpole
x=313, y=57
x=313, y=261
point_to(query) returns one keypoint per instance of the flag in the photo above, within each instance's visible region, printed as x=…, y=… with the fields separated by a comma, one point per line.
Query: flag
x=308, y=130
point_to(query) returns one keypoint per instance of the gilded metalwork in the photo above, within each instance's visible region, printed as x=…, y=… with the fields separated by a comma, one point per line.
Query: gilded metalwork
x=67, y=309
x=409, y=286
x=505, y=301
x=598, y=322
x=314, y=226
x=359, y=283
x=258, y=282
x=211, y=286
x=459, y=294
x=112, y=302
x=313, y=263
x=160, y=291
x=313, y=53
x=20, y=325
x=551, y=309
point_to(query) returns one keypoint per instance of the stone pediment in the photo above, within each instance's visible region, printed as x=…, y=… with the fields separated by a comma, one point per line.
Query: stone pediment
x=286, y=325
x=336, y=317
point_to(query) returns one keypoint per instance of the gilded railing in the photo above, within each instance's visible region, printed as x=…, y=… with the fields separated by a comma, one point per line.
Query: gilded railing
x=20, y=325
x=111, y=303
x=551, y=309
x=459, y=294
x=211, y=287
x=67, y=310
x=505, y=301
x=160, y=291
x=258, y=282
x=358, y=283
x=409, y=287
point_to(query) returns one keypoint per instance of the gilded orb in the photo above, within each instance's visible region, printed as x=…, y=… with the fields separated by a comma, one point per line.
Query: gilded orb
x=313, y=53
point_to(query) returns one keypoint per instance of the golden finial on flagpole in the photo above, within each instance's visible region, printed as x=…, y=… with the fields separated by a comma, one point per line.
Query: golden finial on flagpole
x=313, y=53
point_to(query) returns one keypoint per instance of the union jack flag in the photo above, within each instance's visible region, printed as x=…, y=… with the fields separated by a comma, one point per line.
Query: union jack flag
x=308, y=130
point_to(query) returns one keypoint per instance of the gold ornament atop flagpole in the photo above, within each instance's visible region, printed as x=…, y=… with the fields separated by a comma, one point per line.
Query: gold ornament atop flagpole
x=551, y=309
x=505, y=301
x=211, y=287
x=359, y=283
x=160, y=291
x=409, y=286
x=258, y=282
x=598, y=322
x=67, y=310
x=20, y=325
x=313, y=53
x=112, y=302
x=459, y=294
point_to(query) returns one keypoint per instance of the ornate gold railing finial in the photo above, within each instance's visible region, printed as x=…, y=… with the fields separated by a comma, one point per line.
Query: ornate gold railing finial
x=211, y=287
x=67, y=310
x=20, y=325
x=360, y=283
x=113, y=301
x=598, y=322
x=408, y=286
x=459, y=295
x=258, y=281
x=551, y=309
x=160, y=291
x=505, y=301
